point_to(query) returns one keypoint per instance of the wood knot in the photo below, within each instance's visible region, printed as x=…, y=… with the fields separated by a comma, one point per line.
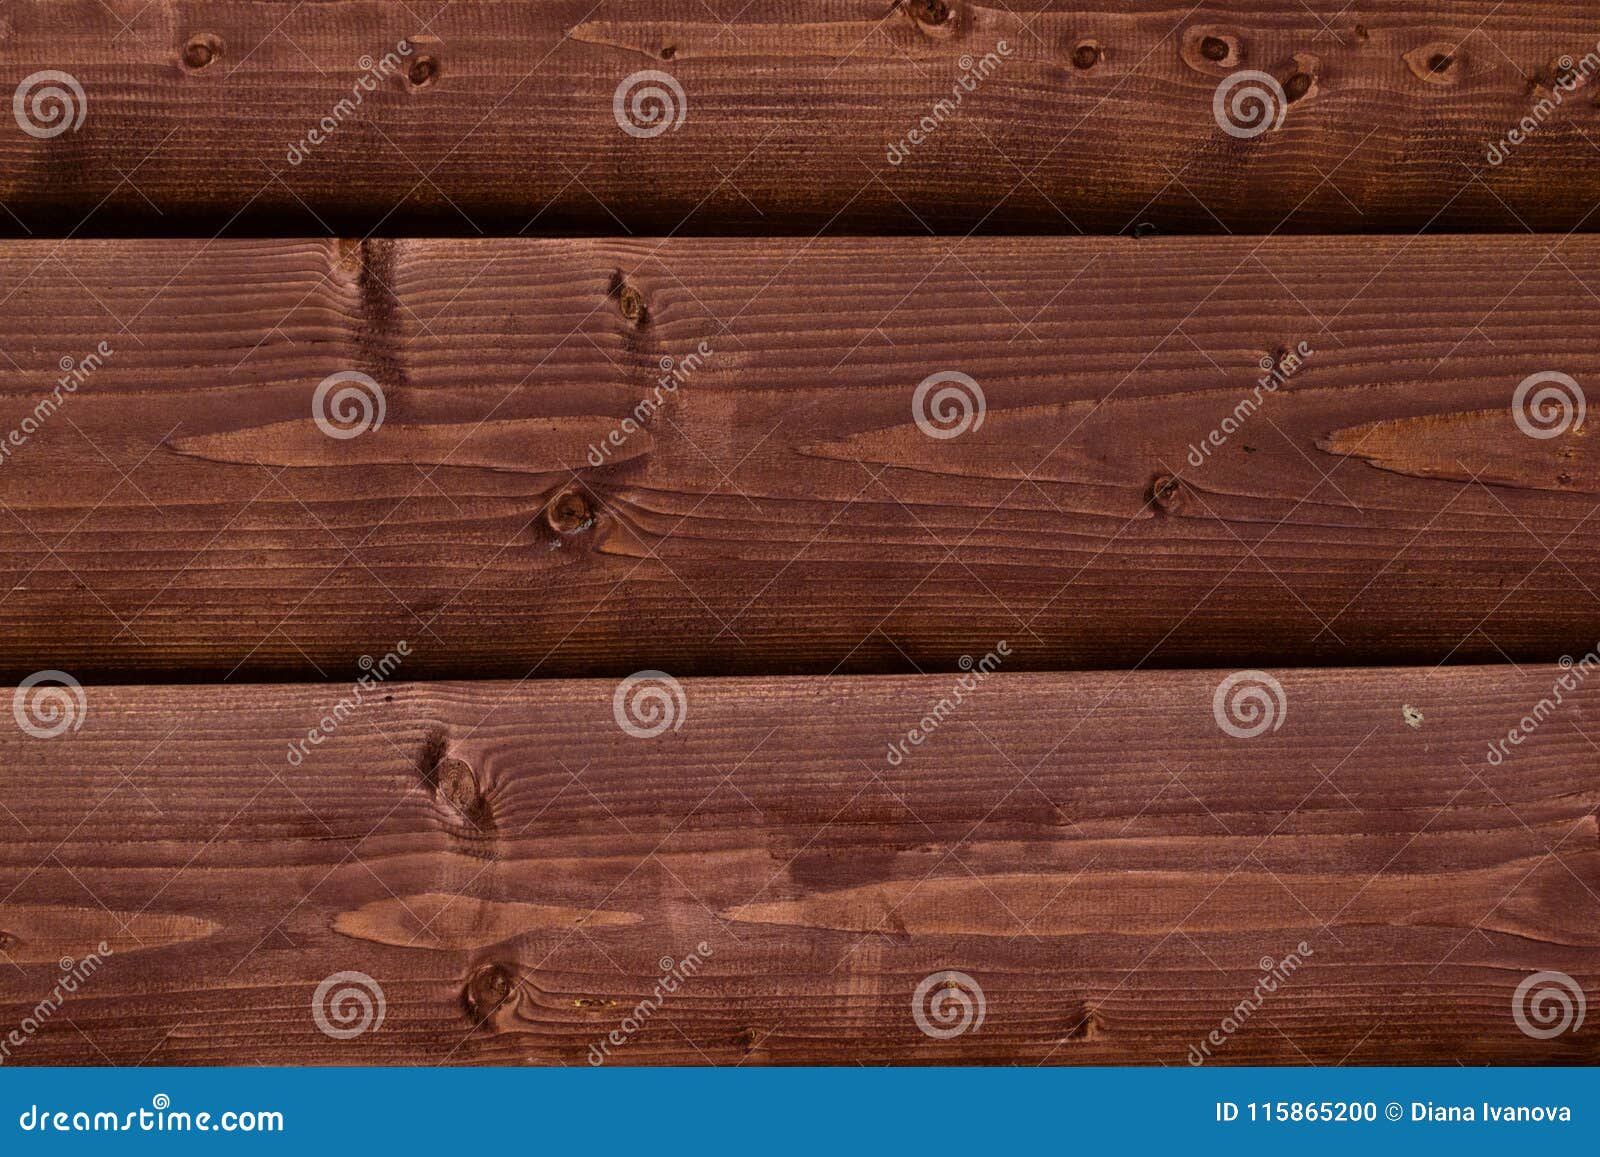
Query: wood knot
x=631, y=302
x=6, y=941
x=1086, y=55
x=486, y=990
x=422, y=72
x=934, y=12
x=1211, y=49
x=1439, y=63
x=201, y=50
x=746, y=1039
x=570, y=512
x=1167, y=493
x=1143, y=229
x=457, y=785
x=1297, y=86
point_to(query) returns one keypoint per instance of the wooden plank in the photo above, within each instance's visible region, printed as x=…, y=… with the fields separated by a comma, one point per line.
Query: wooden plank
x=180, y=515
x=272, y=115
x=510, y=867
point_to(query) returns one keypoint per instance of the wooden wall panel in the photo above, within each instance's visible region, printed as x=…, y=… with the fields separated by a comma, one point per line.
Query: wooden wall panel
x=510, y=867
x=501, y=119
x=180, y=515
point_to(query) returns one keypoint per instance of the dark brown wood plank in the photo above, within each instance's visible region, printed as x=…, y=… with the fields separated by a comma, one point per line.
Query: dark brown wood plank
x=1104, y=861
x=500, y=117
x=180, y=514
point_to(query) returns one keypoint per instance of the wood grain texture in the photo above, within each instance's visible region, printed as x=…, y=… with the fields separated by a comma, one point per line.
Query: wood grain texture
x=1099, y=119
x=510, y=868
x=179, y=515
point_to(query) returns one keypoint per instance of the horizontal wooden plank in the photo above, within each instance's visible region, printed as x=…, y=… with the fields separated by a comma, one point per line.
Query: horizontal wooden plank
x=515, y=871
x=863, y=115
x=1132, y=494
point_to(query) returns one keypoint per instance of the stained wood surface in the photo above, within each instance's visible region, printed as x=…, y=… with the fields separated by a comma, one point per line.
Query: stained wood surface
x=1099, y=119
x=510, y=868
x=180, y=515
